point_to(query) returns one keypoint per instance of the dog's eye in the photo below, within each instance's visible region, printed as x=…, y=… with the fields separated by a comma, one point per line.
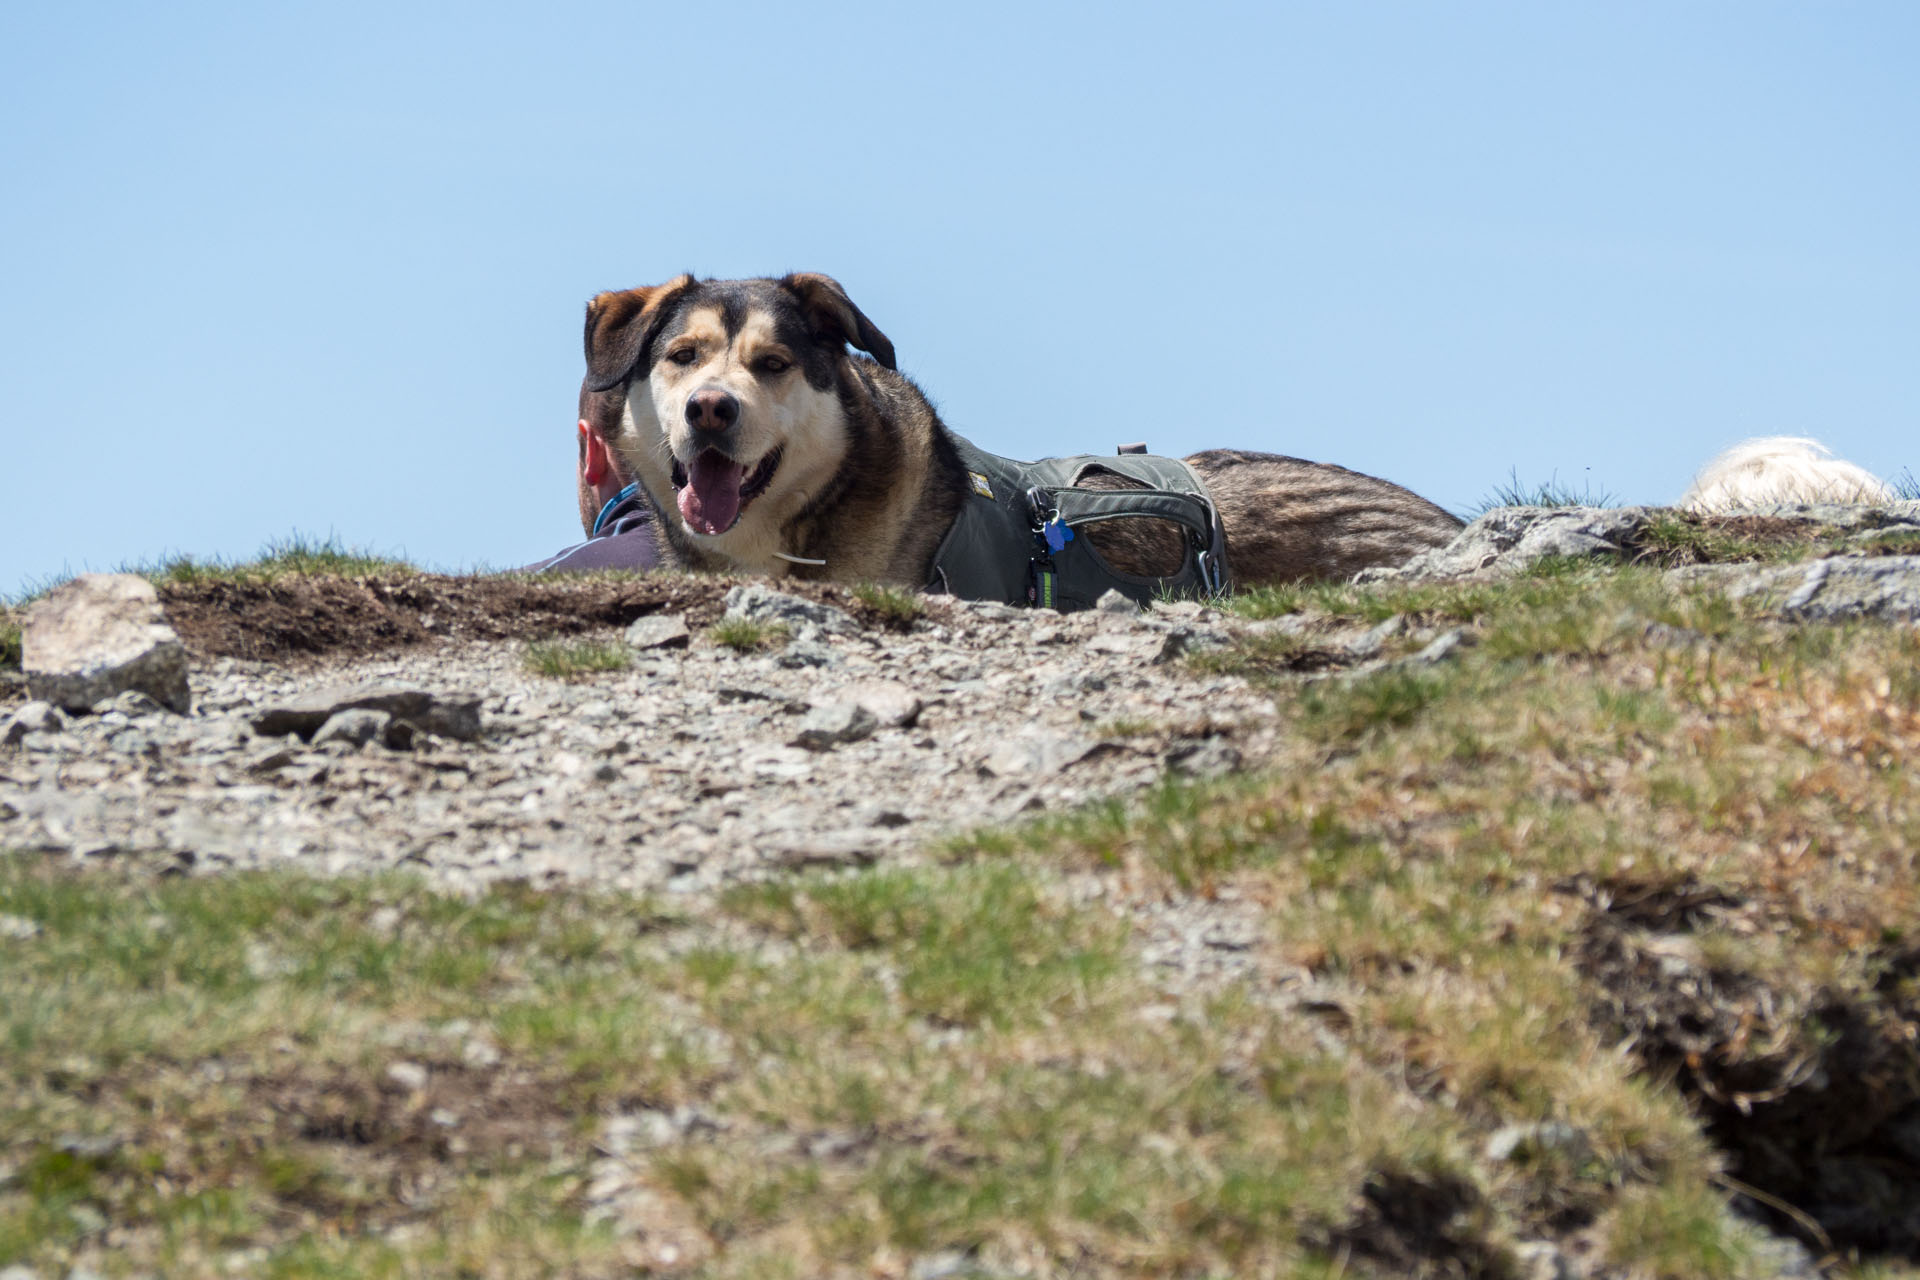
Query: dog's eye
x=685, y=355
x=772, y=364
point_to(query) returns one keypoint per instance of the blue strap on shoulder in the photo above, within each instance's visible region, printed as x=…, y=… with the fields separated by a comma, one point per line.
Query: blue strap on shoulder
x=613, y=502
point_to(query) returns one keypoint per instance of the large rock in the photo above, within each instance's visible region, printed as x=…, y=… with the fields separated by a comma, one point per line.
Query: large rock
x=99, y=635
x=1837, y=588
x=35, y=717
x=892, y=704
x=763, y=604
x=450, y=715
x=833, y=723
x=1508, y=539
x=659, y=631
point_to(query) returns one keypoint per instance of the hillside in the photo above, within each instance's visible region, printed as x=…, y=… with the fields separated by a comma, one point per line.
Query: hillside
x=1544, y=910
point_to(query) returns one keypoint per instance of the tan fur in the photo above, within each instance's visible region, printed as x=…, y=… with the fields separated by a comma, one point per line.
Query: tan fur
x=1289, y=520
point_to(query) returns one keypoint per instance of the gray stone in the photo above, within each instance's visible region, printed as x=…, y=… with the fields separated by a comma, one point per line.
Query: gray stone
x=447, y=715
x=1548, y=1137
x=18, y=928
x=89, y=639
x=90, y=1146
x=659, y=631
x=1074, y=684
x=890, y=703
x=1139, y=646
x=1287, y=624
x=131, y=703
x=1112, y=601
x=1886, y=588
x=1508, y=539
x=806, y=654
x=1666, y=636
x=1208, y=758
x=948, y=1264
x=34, y=717
x=272, y=760
x=356, y=726
x=1542, y=1260
x=834, y=723
x=1369, y=645
x=409, y=1077
x=763, y=604
x=1442, y=647
x=1034, y=755
x=825, y=849
x=130, y=743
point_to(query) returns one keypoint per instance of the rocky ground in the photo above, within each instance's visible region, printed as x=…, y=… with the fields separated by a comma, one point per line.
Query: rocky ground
x=698, y=765
x=680, y=738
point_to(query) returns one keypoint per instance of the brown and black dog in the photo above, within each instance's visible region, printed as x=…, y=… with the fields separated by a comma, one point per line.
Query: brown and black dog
x=766, y=446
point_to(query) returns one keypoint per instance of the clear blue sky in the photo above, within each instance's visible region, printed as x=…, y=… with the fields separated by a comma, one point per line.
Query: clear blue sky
x=321, y=268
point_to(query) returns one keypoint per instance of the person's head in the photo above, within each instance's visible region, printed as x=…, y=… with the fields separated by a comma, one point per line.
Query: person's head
x=600, y=473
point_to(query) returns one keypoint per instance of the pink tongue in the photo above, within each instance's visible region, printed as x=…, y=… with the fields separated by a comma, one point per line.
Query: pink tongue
x=711, y=501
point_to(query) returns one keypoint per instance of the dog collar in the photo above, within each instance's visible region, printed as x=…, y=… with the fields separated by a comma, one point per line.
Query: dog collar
x=613, y=502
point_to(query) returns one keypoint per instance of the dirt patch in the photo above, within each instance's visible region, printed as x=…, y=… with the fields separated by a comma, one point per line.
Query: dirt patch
x=295, y=618
x=1813, y=1094
x=359, y=1134
x=1408, y=1225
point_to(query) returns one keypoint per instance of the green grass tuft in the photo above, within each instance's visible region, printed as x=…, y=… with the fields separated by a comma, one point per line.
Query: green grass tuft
x=1553, y=493
x=297, y=555
x=744, y=635
x=9, y=640
x=895, y=606
x=565, y=659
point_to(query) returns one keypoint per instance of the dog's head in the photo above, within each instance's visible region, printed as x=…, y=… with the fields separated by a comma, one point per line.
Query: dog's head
x=733, y=394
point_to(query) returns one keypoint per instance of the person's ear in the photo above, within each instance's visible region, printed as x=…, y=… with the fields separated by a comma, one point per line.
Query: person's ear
x=596, y=460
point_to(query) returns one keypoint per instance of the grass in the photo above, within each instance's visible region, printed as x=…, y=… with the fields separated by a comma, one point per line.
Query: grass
x=565, y=659
x=1649, y=906
x=9, y=640
x=1554, y=492
x=894, y=606
x=744, y=635
x=298, y=555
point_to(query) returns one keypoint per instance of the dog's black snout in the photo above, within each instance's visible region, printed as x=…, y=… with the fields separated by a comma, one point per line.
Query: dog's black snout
x=712, y=409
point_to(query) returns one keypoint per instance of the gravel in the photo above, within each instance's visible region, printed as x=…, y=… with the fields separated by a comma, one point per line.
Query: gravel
x=694, y=768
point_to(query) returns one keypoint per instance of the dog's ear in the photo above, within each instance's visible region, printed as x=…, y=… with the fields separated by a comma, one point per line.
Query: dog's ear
x=833, y=315
x=621, y=325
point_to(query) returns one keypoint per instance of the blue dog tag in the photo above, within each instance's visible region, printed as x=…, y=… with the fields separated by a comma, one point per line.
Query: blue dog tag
x=1056, y=533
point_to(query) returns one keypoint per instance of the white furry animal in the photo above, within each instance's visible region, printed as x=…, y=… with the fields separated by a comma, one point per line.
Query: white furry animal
x=1780, y=469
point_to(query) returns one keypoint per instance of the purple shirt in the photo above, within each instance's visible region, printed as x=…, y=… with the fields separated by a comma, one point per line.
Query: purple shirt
x=622, y=539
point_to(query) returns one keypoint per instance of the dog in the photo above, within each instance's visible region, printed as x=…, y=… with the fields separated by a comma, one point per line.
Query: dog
x=766, y=446
x=1775, y=470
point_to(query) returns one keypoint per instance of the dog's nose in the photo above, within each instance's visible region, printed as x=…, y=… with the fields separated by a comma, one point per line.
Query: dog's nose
x=712, y=409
